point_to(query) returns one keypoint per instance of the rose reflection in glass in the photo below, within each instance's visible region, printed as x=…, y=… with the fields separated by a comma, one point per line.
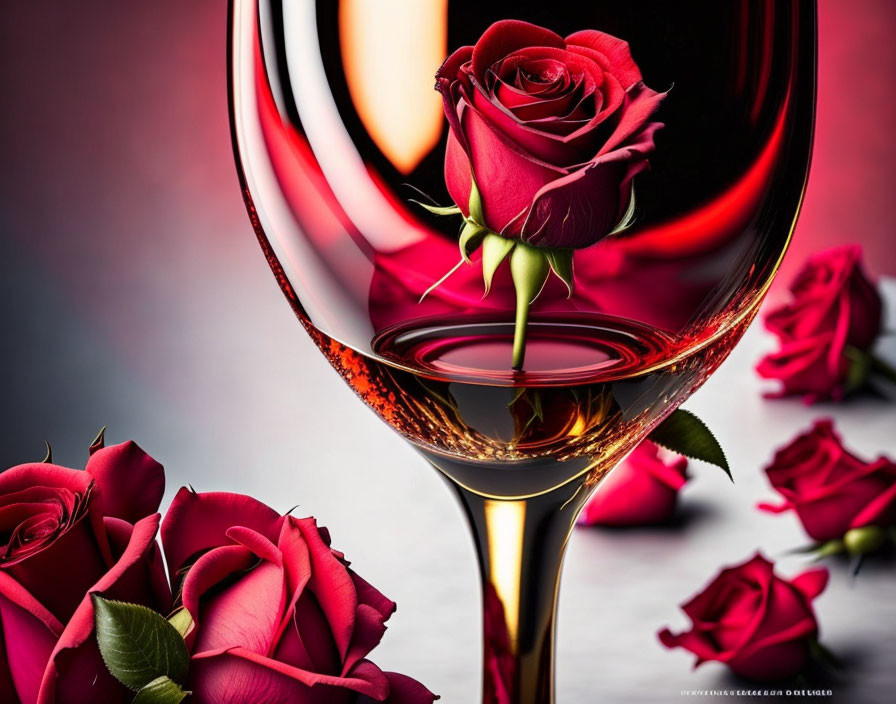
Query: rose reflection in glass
x=322, y=95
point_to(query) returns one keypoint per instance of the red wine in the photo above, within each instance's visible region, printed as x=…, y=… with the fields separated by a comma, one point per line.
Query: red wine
x=593, y=388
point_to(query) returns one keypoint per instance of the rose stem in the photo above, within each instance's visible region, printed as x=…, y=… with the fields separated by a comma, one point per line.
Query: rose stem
x=519, y=328
x=529, y=270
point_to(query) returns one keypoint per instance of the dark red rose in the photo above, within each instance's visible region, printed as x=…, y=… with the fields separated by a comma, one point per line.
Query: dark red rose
x=553, y=130
x=68, y=533
x=831, y=490
x=278, y=615
x=642, y=490
x=835, y=312
x=759, y=625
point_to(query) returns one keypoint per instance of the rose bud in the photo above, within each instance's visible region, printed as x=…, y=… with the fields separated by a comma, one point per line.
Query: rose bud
x=831, y=490
x=553, y=130
x=761, y=626
x=66, y=534
x=277, y=614
x=642, y=490
x=827, y=330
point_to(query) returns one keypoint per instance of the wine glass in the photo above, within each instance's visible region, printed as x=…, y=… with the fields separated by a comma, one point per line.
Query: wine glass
x=337, y=129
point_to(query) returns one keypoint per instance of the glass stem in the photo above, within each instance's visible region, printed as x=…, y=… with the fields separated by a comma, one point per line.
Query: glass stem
x=520, y=545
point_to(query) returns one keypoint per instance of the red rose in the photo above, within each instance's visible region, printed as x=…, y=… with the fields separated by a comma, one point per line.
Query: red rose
x=642, y=490
x=68, y=533
x=831, y=490
x=758, y=624
x=278, y=615
x=835, y=312
x=553, y=129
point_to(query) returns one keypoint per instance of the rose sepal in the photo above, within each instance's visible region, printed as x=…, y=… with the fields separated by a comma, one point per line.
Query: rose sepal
x=863, y=367
x=857, y=543
x=530, y=266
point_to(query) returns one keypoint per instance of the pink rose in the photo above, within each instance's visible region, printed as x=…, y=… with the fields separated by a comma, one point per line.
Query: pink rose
x=835, y=312
x=68, y=533
x=553, y=130
x=642, y=490
x=831, y=490
x=759, y=625
x=278, y=615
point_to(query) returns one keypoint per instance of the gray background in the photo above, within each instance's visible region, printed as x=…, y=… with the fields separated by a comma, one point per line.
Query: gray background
x=133, y=294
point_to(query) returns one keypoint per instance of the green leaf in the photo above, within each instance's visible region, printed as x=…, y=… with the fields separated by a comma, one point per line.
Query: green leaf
x=137, y=644
x=628, y=217
x=561, y=264
x=160, y=691
x=476, y=213
x=182, y=622
x=686, y=434
x=494, y=251
x=438, y=209
x=470, y=238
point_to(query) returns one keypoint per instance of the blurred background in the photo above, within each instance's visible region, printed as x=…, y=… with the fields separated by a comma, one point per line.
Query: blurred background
x=133, y=294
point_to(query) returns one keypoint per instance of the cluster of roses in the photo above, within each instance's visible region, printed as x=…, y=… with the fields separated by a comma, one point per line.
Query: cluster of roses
x=264, y=610
x=760, y=625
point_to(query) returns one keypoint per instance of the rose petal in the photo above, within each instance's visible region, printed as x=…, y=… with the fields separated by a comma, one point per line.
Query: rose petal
x=616, y=50
x=801, y=367
x=7, y=686
x=638, y=107
x=28, y=643
x=211, y=569
x=73, y=557
x=332, y=585
x=507, y=179
x=367, y=634
x=505, y=37
x=880, y=510
x=405, y=690
x=24, y=476
x=76, y=673
x=131, y=482
x=239, y=676
x=246, y=613
x=811, y=583
x=641, y=490
x=565, y=212
x=197, y=522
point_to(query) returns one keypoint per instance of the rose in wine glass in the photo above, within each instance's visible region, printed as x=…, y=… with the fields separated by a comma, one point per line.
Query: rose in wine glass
x=555, y=130
x=333, y=115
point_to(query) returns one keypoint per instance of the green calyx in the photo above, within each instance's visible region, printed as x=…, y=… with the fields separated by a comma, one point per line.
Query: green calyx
x=530, y=266
x=864, y=540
